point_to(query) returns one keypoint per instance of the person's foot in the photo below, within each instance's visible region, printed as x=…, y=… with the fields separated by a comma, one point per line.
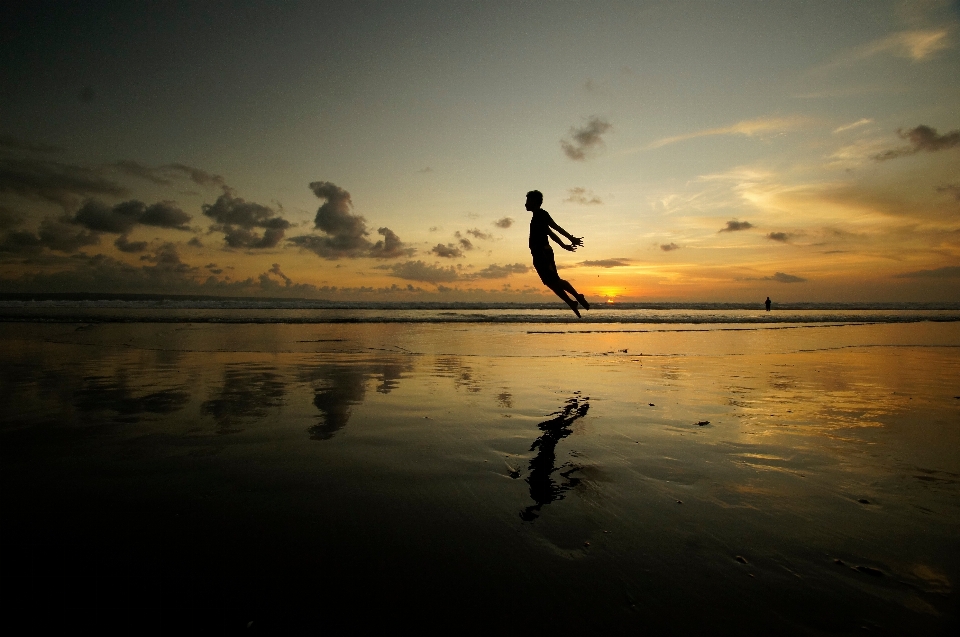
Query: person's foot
x=582, y=301
x=573, y=306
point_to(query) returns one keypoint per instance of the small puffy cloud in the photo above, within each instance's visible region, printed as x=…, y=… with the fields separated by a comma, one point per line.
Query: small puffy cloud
x=669, y=247
x=465, y=243
x=479, y=234
x=167, y=259
x=586, y=140
x=125, y=245
x=237, y=219
x=420, y=271
x=122, y=217
x=606, y=263
x=946, y=272
x=62, y=184
x=449, y=251
x=195, y=242
x=345, y=234
x=734, y=226
x=496, y=271
x=390, y=247
x=582, y=196
x=782, y=237
x=504, y=223
x=15, y=143
x=782, y=277
x=921, y=138
x=275, y=270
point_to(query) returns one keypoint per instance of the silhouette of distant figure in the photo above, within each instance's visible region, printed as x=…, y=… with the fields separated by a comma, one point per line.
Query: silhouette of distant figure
x=767, y=303
x=543, y=261
x=543, y=490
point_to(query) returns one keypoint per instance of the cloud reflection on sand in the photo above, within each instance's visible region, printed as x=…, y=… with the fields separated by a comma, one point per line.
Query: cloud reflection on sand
x=338, y=387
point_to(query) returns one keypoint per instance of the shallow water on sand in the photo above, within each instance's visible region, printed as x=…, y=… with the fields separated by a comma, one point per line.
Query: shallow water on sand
x=790, y=478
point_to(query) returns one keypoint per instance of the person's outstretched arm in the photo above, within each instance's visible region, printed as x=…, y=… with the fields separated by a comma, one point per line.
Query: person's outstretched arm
x=576, y=241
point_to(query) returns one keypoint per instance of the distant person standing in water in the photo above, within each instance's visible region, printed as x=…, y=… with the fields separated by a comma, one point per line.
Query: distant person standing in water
x=767, y=303
x=540, y=229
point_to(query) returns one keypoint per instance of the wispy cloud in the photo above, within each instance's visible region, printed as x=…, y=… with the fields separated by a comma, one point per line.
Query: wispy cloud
x=856, y=124
x=946, y=272
x=606, y=263
x=749, y=128
x=783, y=277
x=917, y=45
x=669, y=247
x=504, y=223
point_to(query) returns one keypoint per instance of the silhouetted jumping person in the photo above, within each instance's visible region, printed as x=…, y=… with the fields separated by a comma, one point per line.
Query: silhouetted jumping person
x=543, y=261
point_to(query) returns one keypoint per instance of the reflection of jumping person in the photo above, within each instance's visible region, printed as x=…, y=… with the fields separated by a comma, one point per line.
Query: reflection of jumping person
x=543, y=262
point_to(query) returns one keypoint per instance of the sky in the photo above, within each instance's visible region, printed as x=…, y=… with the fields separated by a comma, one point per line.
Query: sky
x=705, y=151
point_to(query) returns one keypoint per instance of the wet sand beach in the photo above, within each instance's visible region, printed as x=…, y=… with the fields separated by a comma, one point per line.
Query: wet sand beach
x=675, y=479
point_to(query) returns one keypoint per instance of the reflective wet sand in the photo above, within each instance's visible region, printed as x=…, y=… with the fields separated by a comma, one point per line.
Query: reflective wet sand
x=788, y=479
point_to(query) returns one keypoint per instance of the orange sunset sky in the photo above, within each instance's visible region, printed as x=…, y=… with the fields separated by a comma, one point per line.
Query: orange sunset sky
x=809, y=151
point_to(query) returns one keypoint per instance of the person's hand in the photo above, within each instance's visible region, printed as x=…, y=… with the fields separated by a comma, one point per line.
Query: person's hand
x=569, y=248
x=576, y=241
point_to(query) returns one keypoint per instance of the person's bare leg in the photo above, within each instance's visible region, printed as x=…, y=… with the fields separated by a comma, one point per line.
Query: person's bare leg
x=576, y=295
x=559, y=291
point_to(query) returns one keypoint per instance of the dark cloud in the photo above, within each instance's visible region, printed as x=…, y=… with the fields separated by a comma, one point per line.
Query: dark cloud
x=921, y=138
x=782, y=237
x=276, y=270
x=734, y=226
x=166, y=174
x=950, y=189
x=781, y=277
x=345, y=234
x=582, y=196
x=52, y=234
x=504, y=223
x=669, y=247
x=135, y=169
x=946, y=272
x=465, y=243
x=420, y=271
x=496, y=271
x=197, y=176
x=195, y=242
x=122, y=217
x=125, y=245
x=585, y=140
x=10, y=218
x=606, y=263
x=390, y=247
x=15, y=143
x=237, y=218
x=167, y=259
x=449, y=251
x=62, y=184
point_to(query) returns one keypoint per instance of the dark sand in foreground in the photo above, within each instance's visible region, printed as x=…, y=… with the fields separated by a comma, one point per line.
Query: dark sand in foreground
x=514, y=478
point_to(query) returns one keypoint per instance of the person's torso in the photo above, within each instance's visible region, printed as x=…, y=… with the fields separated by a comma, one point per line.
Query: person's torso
x=539, y=226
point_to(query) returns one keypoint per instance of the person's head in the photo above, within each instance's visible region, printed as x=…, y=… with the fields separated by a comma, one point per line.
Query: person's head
x=534, y=200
